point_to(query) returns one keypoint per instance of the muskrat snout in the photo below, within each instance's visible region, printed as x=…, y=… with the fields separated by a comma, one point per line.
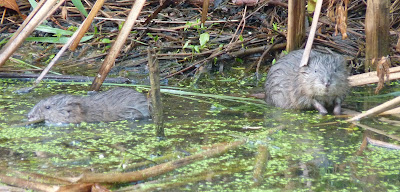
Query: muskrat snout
x=327, y=83
x=31, y=116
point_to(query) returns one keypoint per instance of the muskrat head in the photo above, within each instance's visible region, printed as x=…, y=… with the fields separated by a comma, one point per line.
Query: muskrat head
x=57, y=109
x=325, y=75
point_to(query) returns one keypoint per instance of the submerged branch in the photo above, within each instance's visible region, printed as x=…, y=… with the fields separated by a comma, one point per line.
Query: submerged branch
x=377, y=131
x=155, y=170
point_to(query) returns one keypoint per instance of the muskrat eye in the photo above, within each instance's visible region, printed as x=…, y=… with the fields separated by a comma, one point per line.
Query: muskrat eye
x=47, y=107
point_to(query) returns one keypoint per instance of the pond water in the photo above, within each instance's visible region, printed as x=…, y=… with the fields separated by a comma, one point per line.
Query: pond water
x=303, y=151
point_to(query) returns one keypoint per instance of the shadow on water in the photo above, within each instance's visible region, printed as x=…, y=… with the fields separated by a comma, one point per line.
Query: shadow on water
x=304, y=150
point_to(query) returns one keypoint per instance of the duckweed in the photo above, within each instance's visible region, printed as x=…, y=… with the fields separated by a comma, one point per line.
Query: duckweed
x=305, y=151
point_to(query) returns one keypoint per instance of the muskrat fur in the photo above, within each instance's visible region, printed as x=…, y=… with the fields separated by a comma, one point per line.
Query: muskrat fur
x=322, y=83
x=113, y=105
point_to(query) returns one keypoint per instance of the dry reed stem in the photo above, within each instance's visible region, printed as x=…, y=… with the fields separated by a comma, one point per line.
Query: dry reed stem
x=155, y=170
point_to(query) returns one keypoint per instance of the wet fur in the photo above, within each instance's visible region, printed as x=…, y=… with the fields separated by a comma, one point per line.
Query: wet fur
x=113, y=105
x=290, y=87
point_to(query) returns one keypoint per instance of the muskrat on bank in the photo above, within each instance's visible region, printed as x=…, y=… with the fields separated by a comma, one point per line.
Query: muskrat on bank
x=322, y=83
x=113, y=105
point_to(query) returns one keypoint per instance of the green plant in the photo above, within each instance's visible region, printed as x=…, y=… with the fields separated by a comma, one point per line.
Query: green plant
x=155, y=38
x=275, y=26
x=203, y=39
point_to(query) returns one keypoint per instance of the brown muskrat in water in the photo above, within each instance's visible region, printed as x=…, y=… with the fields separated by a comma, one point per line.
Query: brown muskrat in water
x=113, y=105
x=322, y=83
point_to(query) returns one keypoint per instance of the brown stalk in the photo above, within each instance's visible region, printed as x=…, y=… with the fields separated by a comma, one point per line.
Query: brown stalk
x=204, y=11
x=263, y=55
x=261, y=162
x=241, y=23
x=117, y=46
x=382, y=70
x=382, y=144
x=369, y=78
x=164, y=184
x=23, y=183
x=26, y=21
x=155, y=94
x=37, y=18
x=86, y=24
x=155, y=170
x=377, y=131
x=311, y=35
x=378, y=109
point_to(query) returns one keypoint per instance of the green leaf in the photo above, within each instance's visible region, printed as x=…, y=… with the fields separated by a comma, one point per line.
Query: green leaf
x=197, y=49
x=48, y=29
x=95, y=30
x=187, y=25
x=275, y=26
x=33, y=3
x=311, y=5
x=239, y=60
x=32, y=66
x=72, y=28
x=78, y=4
x=204, y=38
x=105, y=40
x=4, y=41
x=186, y=44
x=62, y=40
x=150, y=35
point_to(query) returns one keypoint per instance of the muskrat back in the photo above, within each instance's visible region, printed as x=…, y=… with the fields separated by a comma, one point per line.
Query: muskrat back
x=323, y=82
x=115, y=104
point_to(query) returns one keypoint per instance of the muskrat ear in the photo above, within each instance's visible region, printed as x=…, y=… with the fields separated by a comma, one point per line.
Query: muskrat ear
x=74, y=106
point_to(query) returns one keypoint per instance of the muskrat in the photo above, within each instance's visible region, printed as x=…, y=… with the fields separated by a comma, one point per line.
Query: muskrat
x=323, y=82
x=113, y=105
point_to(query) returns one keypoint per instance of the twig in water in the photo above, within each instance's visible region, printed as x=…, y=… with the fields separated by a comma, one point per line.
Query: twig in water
x=378, y=109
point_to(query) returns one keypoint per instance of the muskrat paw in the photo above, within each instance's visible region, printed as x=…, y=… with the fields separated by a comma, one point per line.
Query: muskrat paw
x=318, y=106
x=337, y=110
